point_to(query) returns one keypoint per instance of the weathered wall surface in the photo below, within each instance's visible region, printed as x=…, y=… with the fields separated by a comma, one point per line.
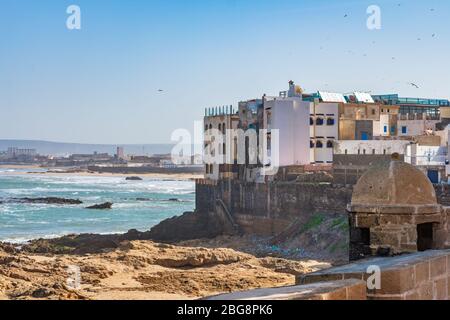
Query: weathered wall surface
x=270, y=208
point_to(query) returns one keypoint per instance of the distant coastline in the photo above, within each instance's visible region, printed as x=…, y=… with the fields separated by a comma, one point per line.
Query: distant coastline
x=28, y=169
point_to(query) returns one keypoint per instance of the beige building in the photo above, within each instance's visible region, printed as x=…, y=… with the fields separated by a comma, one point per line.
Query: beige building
x=217, y=122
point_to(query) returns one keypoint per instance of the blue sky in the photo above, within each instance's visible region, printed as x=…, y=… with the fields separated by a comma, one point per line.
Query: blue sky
x=100, y=84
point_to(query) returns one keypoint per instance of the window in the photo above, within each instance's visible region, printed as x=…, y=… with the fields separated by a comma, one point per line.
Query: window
x=385, y=129
x=220, y=127
x=373, y=151
x=311, y=121
x=223, y=128
x=224, y=149
x=210, y=126
x=311, y=144
x=319, y=144
x=404, y=130
x=330, y=122
x=364, y=151
x=393, y=129
x=346, y=151
x=319, y=122
x=373, y=112
x=329, y=144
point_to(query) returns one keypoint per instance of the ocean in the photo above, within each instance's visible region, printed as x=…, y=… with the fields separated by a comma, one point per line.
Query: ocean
x=137, y=204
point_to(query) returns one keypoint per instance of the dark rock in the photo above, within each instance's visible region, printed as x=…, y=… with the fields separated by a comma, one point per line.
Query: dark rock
x=103, y=206
x=174, y=200
x=41, y=293
x=143, y=199
x=134, y=179
x=48, y=200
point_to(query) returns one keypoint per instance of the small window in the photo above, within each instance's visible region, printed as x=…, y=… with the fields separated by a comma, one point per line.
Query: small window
x=404, y=130
x=220, y=127
x=364, y=151
x=330, y=122
x=329, y=144
x=319, y=122
x=311, y=121
x=385, y=129
x=346, y=151
x=373, y=151
x=311, y=144
x=373, y=112
x=393, y=129
x=319, y=144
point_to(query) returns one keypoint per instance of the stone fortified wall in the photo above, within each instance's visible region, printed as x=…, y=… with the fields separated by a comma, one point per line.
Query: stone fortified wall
x=268, y=209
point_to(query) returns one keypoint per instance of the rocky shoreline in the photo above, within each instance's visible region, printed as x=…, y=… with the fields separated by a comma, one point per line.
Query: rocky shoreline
x=113, y=267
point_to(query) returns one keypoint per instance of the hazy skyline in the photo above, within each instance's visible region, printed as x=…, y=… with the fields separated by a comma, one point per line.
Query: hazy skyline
x=101, y=84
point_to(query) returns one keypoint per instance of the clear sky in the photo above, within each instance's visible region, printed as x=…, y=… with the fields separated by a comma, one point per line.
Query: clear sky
x=100, y=84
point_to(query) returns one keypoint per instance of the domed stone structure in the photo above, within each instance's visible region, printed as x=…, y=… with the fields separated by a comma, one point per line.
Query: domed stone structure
x=394, y=183
x=394, y=210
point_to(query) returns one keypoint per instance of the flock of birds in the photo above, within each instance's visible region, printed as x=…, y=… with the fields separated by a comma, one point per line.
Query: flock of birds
x=393, y=58
x=365, y=55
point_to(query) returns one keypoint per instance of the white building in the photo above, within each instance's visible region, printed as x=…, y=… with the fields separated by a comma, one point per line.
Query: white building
x=371, y=147
x=324, y=131
x=290, y=117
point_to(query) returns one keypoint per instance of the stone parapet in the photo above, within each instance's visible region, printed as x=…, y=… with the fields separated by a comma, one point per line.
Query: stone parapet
x=418, y=276
x=350, y=289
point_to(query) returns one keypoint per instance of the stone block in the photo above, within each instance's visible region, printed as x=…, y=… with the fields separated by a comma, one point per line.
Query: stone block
x=339, y=294
x=422, y=272
x=431, y=209
x=357, y=292
x=386, y=297
x=366, y=220
x=413, y=295
x=397, y=281
x=389, y=219
x=440, y=289
x=356, y=275
x=438, y=267
x=448, y=287
x=314, y=278
x=385, y=238
x=425, y=291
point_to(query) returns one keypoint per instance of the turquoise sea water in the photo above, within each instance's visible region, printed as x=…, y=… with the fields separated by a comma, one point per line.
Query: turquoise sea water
x=20, y=222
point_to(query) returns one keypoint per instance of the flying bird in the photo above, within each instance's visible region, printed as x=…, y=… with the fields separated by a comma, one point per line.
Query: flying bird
x=414, y=85
x=160, y=90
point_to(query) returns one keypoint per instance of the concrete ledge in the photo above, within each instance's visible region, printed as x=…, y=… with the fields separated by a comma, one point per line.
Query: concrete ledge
x=350, y=289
